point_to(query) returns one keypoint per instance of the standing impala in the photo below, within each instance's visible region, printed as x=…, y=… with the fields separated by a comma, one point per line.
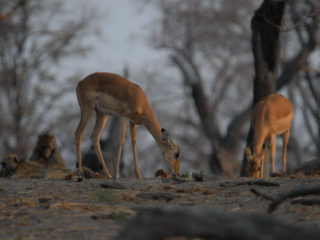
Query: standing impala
x=108, y=93
x=271, y=116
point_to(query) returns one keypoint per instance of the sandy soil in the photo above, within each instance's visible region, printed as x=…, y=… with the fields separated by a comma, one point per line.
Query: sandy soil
x=90, y=209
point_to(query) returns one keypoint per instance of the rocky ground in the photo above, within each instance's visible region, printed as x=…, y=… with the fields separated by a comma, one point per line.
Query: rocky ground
x=99, y=209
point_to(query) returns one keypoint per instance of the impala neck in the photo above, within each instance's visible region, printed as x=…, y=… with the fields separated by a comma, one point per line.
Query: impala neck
x=258, y=142
x=151, y=123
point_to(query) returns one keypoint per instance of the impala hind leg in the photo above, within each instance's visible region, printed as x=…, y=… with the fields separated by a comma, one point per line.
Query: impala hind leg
x=95, y=137
x=285, y=139
x=86, y=115
x=120, y=142
x=134, y=150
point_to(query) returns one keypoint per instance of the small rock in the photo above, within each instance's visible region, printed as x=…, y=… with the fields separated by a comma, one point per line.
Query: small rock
x=77, y=177
x=197, y=177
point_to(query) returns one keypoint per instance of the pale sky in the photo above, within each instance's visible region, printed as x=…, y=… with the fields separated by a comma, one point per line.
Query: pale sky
x=124, y=26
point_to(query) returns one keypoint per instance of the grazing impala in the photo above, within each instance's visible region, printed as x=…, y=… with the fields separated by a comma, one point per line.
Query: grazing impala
x=271, y=116
x=108, y=93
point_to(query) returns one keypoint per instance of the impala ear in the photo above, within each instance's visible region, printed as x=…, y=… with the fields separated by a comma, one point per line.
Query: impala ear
x=15, y=159
x=248, y=152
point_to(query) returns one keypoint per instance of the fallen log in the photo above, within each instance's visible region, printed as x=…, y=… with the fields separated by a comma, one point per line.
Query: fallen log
x=205, y=223
x=297, y=192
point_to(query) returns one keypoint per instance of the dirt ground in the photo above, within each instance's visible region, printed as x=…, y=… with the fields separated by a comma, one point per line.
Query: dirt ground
x=90, y=209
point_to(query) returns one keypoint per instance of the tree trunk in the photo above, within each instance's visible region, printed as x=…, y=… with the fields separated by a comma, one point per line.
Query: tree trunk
x=266, y=33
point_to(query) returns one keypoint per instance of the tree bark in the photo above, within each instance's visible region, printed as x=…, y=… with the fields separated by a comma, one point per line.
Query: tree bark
x=266, y=34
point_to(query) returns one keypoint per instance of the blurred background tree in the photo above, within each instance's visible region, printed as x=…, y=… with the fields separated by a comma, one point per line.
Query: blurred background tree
x=35, y=38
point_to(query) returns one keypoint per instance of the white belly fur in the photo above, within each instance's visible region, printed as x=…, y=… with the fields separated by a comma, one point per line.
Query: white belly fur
x=110, y=105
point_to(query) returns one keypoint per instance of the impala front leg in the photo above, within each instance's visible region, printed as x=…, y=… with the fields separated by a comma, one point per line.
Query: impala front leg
x=133, y=141
x=285, y=138
x=273, y=152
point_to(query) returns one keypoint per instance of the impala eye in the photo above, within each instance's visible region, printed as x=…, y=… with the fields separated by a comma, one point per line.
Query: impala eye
x=177, y=154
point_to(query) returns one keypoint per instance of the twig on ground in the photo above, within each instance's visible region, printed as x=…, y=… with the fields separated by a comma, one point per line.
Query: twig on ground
x=262, y=195
x=259, y=182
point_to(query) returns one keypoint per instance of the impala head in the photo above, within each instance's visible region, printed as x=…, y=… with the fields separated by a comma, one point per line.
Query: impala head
x=171, y=152
x=254, y=163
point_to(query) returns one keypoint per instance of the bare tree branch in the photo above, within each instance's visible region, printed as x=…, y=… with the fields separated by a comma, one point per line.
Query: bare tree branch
x=293, y=67
x=15, y=8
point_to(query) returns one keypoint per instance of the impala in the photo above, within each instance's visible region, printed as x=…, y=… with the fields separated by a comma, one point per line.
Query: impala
x=110, y=94
x=271, y=116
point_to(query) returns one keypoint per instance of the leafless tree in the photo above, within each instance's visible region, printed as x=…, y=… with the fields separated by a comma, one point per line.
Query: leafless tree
x=35, y=38
x=208, y=44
